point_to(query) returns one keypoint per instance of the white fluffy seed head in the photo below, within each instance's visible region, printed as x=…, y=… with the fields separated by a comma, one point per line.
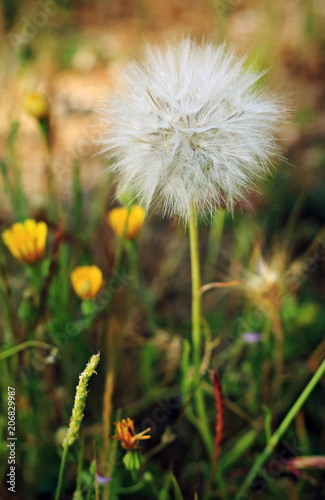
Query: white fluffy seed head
x=189, y=127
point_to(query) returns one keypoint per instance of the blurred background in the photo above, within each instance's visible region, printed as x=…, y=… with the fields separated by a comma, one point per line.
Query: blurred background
x=69, y=50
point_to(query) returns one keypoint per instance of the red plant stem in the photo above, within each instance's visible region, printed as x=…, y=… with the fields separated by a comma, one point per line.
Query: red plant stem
x=220, y=284
x=218, y=396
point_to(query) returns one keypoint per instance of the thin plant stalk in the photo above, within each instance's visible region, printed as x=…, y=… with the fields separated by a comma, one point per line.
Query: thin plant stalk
x=113, y=449
x=279, y=362
x=134, y=264
x=62, y=467
x=196, y=327
x=196, y=292
x=78, y=493
x=51, y=185
x=280, y=431
x=49, y=174
x=111, y=345
x=109, y=388
x=8, y=297
x=111, y=461
x=218, y=396
x=12, y=176
x=24, y=345
x=177, y=490
x=215, y=236
x=95, y=472
x=111, y=348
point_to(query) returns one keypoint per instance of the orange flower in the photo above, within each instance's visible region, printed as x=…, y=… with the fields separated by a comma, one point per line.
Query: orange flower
x=26, y=240
x=86, y=281
x=133, y=217
x=36, y=104
x=126, y=434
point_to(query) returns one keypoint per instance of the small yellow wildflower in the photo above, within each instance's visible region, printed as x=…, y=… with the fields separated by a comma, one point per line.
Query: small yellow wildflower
x=26, y=240
x=126, y=434
x=86, y=281
x=36, y=105
x=134, y=217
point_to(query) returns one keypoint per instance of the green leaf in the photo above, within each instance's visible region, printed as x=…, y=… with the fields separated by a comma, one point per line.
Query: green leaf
x=177, y=490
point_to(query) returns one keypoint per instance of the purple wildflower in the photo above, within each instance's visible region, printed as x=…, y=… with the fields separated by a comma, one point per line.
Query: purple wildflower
x=252, y=337
x=102, y=480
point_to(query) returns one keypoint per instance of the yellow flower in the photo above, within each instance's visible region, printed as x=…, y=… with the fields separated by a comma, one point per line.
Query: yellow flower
x=134, y=217
x=26, y=240
x=126, y=434
x=36, y=105
x=86, y=281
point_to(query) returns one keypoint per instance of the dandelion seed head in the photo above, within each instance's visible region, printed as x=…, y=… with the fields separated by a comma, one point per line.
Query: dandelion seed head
x=188, y=127
x=270, y=285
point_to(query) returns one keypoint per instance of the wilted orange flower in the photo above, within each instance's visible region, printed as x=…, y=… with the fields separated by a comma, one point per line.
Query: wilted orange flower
x=134, y=217
x=36, y=105
x=86, y=281
x=126, y=434
x=26, y=240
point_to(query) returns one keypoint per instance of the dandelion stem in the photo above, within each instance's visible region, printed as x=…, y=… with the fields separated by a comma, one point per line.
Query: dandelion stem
x=280, y=431
x=196, y=328
x=214, y=241
x=196, y=294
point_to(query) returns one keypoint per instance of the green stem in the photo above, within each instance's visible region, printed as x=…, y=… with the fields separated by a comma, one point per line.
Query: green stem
x=196, y=328
x=24, y=345
x=44, y=125
x=62, y=466
x=280, y=431
x=177, y=490
x=214, y=242
x=4, y=283
x=79, y=470
x=127, y=490
x=196, y=294
x=112, y=347
x=134, y=265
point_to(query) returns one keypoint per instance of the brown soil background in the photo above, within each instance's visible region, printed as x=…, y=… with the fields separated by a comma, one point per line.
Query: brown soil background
x=100, y=36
